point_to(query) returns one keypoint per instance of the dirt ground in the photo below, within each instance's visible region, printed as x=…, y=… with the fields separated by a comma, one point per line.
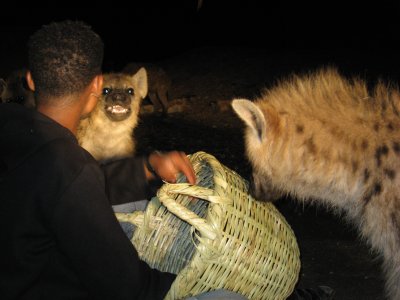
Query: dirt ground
x=204, y=82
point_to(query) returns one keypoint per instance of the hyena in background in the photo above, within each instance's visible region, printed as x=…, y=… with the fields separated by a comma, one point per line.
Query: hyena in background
x=323, y=137
x=107, y=133
x=15, y=89
x=158, y=81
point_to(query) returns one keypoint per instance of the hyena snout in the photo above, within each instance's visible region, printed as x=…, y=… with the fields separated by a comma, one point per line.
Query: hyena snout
x=262, y=189
x=120, y=99
x=118, y=105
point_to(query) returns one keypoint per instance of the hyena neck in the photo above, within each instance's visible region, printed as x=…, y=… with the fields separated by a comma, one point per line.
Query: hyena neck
x=106, y=139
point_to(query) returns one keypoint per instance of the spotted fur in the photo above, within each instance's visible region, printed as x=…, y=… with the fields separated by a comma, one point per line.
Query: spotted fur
x=322, y=137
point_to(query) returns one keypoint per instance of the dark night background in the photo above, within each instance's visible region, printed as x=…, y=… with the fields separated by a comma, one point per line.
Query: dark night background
x=365, y=31
x=233, y=48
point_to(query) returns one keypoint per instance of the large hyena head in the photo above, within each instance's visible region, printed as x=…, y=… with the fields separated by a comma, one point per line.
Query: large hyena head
x=312, y=137
x=122, y=95
x=259, y=138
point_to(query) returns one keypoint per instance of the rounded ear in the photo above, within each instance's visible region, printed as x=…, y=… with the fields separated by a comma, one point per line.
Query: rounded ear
x=252, y=115
x=140, y=82
x=29, y=81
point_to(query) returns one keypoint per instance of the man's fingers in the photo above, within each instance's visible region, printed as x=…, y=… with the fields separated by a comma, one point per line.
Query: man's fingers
x=183, y=164
x=171, y=163
x=188, y=169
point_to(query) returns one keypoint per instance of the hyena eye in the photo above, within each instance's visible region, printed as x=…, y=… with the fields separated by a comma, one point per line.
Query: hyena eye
x=130, y=91
x=106, y=91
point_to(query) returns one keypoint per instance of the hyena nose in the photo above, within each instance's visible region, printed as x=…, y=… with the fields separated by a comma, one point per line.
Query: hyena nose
x=120, y=98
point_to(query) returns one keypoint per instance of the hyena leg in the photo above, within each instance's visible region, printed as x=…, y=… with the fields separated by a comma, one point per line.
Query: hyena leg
x=163, y=98
x=156, y=102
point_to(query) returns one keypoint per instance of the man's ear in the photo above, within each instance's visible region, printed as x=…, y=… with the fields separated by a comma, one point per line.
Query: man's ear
x=98, y=84
x=94, y=89
x=29, y=81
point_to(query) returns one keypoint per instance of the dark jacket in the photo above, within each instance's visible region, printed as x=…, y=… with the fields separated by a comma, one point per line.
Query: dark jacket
x=59, y=238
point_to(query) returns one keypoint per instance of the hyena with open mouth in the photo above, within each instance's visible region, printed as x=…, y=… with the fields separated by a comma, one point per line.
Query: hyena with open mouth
x=325, y=138
x=107, y=133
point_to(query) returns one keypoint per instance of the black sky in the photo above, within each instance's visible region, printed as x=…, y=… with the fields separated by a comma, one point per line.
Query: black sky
x=151, y=30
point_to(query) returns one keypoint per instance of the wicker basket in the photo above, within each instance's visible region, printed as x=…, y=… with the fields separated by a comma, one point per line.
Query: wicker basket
x=215, y=235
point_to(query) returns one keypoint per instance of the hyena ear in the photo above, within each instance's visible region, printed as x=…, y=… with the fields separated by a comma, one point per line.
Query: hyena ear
x=252, y=115
x=140, y=82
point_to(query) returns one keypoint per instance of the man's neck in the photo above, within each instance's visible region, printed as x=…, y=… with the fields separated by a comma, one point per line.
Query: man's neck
x=67, y=116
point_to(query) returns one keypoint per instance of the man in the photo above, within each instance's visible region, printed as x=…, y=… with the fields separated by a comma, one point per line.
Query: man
x=59, y=235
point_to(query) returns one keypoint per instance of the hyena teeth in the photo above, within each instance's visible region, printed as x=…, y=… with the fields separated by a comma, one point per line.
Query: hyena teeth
x=117, y=109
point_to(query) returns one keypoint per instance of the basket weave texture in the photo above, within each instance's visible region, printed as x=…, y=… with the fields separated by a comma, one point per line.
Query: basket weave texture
x=214, y=235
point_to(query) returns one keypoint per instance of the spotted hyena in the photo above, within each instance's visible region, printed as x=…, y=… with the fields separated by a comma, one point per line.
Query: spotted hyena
x=324, y=137
x=107, y=133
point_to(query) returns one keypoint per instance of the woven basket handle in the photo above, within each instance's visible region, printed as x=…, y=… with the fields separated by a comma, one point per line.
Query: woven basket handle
x=166, y=197
x=145, y=219
x=135, y=218
x=166, y=192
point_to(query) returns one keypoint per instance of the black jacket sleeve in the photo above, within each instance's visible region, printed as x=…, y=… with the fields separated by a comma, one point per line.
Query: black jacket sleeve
x=126, y=181
x=93, y=241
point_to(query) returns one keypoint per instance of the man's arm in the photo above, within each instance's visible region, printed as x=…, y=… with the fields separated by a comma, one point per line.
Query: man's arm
x=138, y=178
x=92, y=239
x=126, y=181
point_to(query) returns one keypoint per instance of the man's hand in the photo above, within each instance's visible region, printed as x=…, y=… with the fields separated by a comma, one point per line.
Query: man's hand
x=169, y=164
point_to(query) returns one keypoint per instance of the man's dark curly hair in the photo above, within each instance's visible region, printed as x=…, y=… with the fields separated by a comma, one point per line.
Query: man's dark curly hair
x=64, y=57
